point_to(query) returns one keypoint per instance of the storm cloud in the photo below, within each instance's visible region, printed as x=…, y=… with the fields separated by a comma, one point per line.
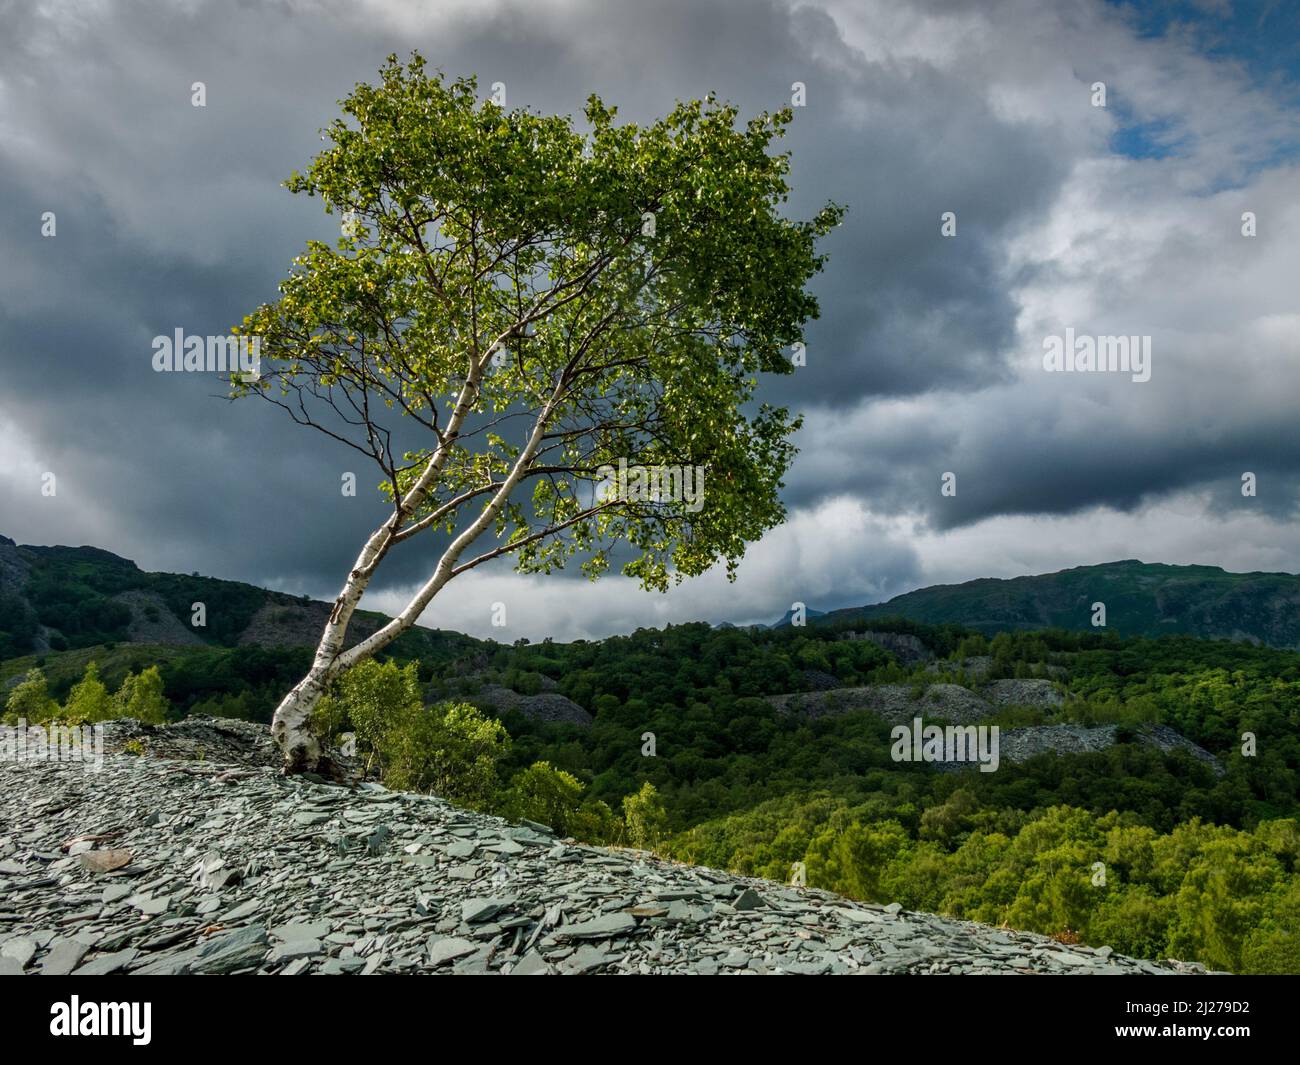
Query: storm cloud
x=927, y=359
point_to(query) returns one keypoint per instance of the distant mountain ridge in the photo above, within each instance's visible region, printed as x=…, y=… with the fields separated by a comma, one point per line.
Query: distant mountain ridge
x=64, y=598
x=808, y=612
x=56, y=598
x=1141, y=599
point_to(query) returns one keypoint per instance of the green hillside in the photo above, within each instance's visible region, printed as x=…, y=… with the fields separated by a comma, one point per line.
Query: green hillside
x=60, y=599
x=1141, y=599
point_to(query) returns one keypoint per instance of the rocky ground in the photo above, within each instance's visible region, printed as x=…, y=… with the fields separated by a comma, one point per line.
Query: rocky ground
x=545, y=706
x=899, y=703
x=895, y=703
x=171, y=865
x=220, y=740
x=955, y=704
x=1020, y=744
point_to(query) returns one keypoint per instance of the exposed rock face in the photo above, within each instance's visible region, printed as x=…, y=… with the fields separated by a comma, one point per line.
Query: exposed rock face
x=895, y=703
x=951, y=703
x=547, y=706
x=1019, y=744
x=286, y=622
x=171, y=867
x=1039, y=693
x=908, y=649
x=13, y=568
x=15, y=571
x=152, y=620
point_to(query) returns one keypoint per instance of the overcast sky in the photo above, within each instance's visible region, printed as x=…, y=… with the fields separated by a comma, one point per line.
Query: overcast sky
x=1125, y=219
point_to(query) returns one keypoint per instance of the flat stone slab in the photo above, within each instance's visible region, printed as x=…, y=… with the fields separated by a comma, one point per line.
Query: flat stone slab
x=445, y=950
x=611, y=924
x=64, y=956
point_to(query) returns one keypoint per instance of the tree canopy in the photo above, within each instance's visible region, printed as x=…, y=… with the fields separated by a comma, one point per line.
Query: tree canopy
x=544, y=301
x=516, y=306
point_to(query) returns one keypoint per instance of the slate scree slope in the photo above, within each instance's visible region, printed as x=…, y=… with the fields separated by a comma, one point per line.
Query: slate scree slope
x=201, y=858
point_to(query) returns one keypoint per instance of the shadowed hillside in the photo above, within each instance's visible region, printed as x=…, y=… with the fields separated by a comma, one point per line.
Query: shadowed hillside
x=1141, y=598
x=67, y=598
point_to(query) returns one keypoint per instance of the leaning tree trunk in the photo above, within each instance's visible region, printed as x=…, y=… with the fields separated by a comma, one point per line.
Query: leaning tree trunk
x=291, y=726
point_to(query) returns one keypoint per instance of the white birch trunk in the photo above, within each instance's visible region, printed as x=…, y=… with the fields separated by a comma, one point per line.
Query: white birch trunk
x=291, y=725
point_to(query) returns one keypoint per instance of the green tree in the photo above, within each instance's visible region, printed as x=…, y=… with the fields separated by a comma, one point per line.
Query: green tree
x=1133, y=921
x=450, y=749
x=646, y=817
x=89, y=700
x=948, y=821
x=850, y=857
x=141, y=697
x=30, y=700
x=595, y=822
x=378, y=699
x=1274, y=947
x=1223, y=898
x=540, y=303
x=543, y=793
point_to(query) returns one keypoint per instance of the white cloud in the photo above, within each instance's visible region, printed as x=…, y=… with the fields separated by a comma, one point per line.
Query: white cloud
x=814, y=557
x=1176, y=531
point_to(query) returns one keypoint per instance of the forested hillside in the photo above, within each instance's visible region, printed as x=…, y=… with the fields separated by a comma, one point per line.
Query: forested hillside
x=1141, y=599
x=68, y=598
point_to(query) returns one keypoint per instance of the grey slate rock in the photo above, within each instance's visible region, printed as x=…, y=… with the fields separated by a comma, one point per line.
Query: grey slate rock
x=585, y=959
x=611, y=924
x=233, y=950
x=532, y=964
x=474, y=910
x=448, y=949
x=108, y=963
x=296, y=949
x=296, y=930
x=238, y=913
x=20, y=949
x=64, y=956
